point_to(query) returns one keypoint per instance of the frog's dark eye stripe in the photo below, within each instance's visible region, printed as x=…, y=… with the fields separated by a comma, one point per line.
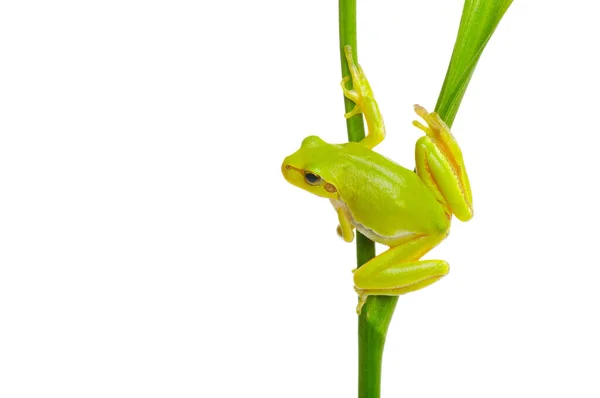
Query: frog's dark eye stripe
x=311, y=178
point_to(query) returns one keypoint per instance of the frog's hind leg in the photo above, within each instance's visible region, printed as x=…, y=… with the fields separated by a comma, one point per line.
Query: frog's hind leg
x=399, y=270
x=441, y=167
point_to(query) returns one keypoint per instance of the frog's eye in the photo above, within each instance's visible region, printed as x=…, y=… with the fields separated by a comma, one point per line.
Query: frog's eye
x=312, y=179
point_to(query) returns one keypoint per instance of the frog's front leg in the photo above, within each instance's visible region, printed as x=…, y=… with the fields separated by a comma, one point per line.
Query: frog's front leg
x=440, y=166
x=398, y=270
x=345, y=229
x=362, y=95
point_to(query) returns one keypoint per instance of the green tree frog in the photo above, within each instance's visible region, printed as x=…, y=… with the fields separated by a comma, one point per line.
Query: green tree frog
x=409, y=211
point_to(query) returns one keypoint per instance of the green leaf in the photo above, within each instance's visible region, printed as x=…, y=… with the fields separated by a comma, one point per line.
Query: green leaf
x=478, y=22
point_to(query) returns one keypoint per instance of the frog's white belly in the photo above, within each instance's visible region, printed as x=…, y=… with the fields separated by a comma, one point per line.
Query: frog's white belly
x=368, y=232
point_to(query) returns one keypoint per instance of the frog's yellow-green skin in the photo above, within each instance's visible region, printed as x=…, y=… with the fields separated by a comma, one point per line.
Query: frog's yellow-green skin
x=406, y=210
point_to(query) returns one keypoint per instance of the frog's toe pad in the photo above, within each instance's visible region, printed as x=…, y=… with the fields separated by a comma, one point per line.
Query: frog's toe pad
x=357, y=109
x=435, y=124
x=362, y=299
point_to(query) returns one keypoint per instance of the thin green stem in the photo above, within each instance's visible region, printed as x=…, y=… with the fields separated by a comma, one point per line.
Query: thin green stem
x=377, y=312
x=347, y=13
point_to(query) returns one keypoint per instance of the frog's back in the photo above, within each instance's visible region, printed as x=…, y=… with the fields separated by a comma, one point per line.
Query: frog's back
x=386, y=198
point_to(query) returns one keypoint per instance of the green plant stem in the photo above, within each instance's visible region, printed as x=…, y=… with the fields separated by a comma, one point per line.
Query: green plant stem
x=378, y=310
x=347, y=14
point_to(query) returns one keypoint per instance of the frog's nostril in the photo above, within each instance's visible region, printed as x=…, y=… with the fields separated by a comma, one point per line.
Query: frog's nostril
x=287, y=167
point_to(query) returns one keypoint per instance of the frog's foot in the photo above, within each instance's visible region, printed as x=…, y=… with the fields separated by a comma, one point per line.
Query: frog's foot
x=362, y=95
x=345, y=230
x=339, y=232
x=436, y=128
x=353, y=96
x=350, y=94
x=362, y=299
x=361, y=90
x=353, y=112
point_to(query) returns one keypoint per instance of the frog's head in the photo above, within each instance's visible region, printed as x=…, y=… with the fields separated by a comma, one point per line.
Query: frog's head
x=311, y=167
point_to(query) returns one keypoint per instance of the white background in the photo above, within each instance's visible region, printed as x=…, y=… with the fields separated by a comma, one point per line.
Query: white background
x=149, y=246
